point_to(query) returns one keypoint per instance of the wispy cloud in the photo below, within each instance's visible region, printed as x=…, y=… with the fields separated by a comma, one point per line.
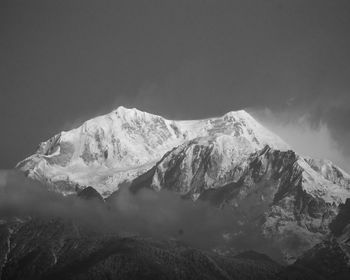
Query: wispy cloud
x=309, y=137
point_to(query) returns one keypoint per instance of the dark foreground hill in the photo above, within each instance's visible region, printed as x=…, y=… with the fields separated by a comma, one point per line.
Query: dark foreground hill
x=58, y=249
x=53, y=249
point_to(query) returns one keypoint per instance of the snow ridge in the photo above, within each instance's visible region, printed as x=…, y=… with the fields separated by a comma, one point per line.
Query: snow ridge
x=110, y=149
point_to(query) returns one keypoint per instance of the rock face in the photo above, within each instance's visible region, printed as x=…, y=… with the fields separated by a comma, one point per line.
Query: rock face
x=89, y=193
x=288, y=201
x=117, y=147
x=329, y=259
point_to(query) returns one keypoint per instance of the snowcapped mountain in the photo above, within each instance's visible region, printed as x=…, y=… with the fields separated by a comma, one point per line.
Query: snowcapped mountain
x=230, y=160
x=119, y=146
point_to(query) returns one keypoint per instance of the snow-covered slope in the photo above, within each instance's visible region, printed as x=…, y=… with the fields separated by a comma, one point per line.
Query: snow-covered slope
x=119, y=146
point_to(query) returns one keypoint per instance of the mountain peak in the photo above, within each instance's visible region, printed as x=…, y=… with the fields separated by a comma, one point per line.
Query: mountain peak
x=240, y=115
x=128, y=114
x=125, y=110
x=122, y=144
x=240, y=112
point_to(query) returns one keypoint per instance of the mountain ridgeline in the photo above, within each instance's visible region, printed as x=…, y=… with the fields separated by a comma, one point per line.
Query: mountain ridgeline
x=117, y=147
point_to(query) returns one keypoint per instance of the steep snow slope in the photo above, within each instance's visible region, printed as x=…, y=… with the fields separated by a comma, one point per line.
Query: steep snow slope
x=117, y=147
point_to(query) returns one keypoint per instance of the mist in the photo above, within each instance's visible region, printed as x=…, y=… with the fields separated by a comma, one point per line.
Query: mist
x=305, y=135
x=161, y=215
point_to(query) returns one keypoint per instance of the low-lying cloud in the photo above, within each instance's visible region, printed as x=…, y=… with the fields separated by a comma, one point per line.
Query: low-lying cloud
x=160, y=215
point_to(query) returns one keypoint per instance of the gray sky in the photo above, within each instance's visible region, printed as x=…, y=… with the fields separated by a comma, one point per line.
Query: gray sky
x=62, y=62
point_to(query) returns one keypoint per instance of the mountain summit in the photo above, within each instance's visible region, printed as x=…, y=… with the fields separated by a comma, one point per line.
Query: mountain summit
x=117, y=147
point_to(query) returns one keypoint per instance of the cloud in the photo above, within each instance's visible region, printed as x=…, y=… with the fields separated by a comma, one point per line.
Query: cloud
x=306, y=135
x=161, y=215
x=158, y=214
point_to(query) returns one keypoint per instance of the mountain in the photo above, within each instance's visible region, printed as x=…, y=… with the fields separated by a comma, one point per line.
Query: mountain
x=287, y=200
x=117, y=147
x=229, y=161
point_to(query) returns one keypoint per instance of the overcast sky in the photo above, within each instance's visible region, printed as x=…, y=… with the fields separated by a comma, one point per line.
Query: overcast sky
x=62, y=62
